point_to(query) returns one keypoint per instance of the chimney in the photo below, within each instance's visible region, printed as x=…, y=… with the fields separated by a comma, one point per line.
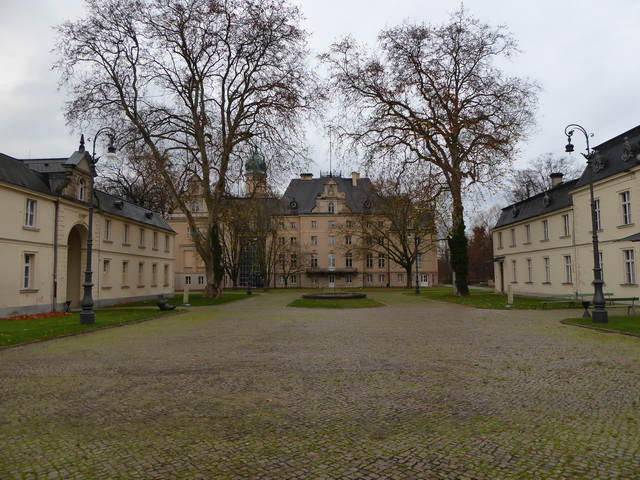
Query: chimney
x=355, y=176
x=306, y=176
x=556, y=179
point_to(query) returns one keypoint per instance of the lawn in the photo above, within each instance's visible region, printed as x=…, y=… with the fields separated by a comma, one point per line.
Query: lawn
x=14, y=331
x=619, y=323
x=337, y=303
x=490, y=300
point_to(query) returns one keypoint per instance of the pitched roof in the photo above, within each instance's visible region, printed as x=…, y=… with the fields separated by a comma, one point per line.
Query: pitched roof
x=15, y=172
x=544, y=203
x=614, y=156
x=36, y=175
x=304, y=193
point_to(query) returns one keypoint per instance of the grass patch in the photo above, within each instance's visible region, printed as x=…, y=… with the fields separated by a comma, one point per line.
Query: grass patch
x=490, y=300
x=336, y=303
x=196, y=299
x=13, y=332
x=618, y=323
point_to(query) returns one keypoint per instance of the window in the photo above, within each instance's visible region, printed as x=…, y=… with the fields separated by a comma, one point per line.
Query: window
x=381, y=260
x=527, y=231
x=369, y=278
x=332, y=240
x=167, y=243
x=81, y=188
x=165, y=276
x=314, y=279
x=281, y=261
x=547, y=270
x=331, y=208
x=281, y=279
x=30, y=213
x=514, y=272
x=126, y=234
x=625, y=203
x=349, y=223
x=349, y=278
x=125, y=273
x=154, y=274
x=369, y=260
x=106, y=272
x=566, y=227
x=568, y=277
x=380, y=240
x=597, y=209
x=281, y=241
x=314, y=224
x=331, y=224
x=314, y=259
x=381, y=224
x=331, y=260
x=499, y=239
x=155, y=240
x=281, y=225
x=348, y=240
x=545, y=230
x=348, y=261
x=27, y=271
x=513, y=237
x=419, y=261
x=294, y=260
x=529, y=271
x=294, y=240
x=629, y=266
x=293, y=225
x=381, y=278
x=200, y=279
x=141, y=238
x=314, y=240
x=187, y=280
x=293, y=280
x=107, y=230
x=141, y=274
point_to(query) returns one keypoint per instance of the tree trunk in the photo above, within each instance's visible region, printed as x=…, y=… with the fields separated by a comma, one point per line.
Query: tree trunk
x=458, y=247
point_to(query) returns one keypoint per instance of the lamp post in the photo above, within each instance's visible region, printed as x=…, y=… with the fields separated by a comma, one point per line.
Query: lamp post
x=600, y=314
x=87, y=316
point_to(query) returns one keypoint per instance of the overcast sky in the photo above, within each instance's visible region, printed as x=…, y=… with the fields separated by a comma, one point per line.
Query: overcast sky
x=583, y=53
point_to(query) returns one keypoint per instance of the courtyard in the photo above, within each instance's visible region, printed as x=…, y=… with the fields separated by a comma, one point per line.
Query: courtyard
x=254, y=389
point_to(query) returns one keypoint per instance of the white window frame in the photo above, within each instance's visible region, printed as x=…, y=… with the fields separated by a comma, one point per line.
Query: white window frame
x=513, y=237
x=514, y=271
x=314, y=239
x=28, y=270
x=547, y=269
x=348, y=260
x=625, y=205
x=545, y=229
x=529, y=271
x=527, y=230
x=107, y=229
x=381, y=260
x=629, y=267
x=331, y=260
x=348, y=240
x=568, y=269
x=30, y=213
x=369, y=260
x=566, y=226
x=314, y=259
x=81, y=189
x=331, y=208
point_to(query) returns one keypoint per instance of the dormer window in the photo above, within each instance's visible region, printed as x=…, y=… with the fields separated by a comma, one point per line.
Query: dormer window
x=81, y=188
x=331, y=208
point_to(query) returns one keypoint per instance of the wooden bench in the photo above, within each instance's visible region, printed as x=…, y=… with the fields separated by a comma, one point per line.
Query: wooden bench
x=633, y=300
x=558, y=298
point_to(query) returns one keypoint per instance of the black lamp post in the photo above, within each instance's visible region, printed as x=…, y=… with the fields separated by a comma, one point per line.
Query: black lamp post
x=600, y=314
x=416, y=242
x=87, y=316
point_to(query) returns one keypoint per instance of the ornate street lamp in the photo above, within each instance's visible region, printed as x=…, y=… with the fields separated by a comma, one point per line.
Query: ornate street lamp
x=87, y=316
x=600, y=314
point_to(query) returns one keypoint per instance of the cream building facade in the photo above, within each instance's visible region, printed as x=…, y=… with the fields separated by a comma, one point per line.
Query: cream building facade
x=317, y=243
x=44, y=233
x=543, y=245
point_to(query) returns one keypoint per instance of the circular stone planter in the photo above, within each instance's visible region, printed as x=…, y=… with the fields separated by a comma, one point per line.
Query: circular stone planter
x=334, y=296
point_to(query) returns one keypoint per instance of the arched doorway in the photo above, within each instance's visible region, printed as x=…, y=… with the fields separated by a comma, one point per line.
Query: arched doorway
x=74, y=266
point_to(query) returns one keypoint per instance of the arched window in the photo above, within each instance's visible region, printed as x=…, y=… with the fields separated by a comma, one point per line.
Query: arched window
x=81, y=189
x=332, y=208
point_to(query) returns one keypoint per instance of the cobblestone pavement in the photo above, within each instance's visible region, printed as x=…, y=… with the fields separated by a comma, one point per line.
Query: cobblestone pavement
x=256, y=390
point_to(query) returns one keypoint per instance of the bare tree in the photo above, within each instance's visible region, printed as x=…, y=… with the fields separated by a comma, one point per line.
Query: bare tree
x=202, y=83
x=536, y=178
x=400, y=225
x=433, y=94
